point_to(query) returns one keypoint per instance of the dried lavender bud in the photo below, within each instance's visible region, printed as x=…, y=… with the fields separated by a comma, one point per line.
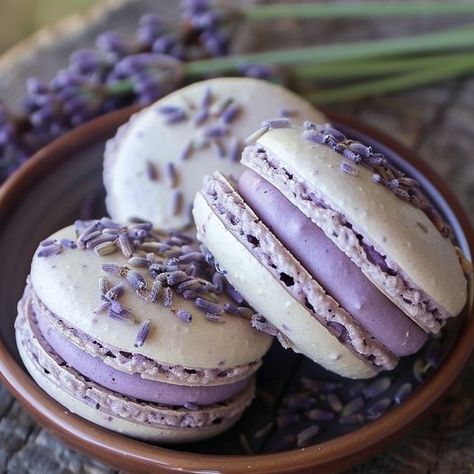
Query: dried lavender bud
x=103, y=285
x=220, y=105
x=155, y=291
x=176, y=277
x=50, y=250
x=235, y=149
x=280, y=122
x=263, y=431
x=349, y=168
x=231, y=308
x=114, y=292
x=353, y=407
x=234, y=294
x=314, y=136
x=378, y=408
x=105, y=248
x=171, y=174
x=377, y=387
x=47, y=242
x=334, y=402
x=67, y=243
x=184, y=315
x=117, y=307
x=136, y=280
x=190, y=257
x=142, y=334
x=261, y=324
x=359, y=149
x=186, y=151
x=220, y=148
x=124, y=316
x=115, y=269
x=138, y=262
x=167, y=297
x=208, y=306
x=403, y=392
x=218, y=281
x=216, y=131
x=283, y=421
x=102, y=307
x=229, y=114
x=214, y=318
x=151, y=171
x=304, y=438
x=320, y=415
x=176, y=202
x=245, y=312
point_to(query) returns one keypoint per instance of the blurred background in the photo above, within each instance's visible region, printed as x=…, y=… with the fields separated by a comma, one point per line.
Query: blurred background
x=19, y=18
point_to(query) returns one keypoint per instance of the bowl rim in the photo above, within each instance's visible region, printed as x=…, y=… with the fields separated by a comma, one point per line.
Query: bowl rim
x=119, y=450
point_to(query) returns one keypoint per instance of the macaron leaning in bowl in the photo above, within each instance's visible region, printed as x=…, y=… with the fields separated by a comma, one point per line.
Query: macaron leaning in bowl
x=132, y=329
x=155, y=164
x=340, y=252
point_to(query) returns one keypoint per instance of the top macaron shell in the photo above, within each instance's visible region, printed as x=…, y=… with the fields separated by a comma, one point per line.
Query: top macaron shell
x=396, y=228
x=67, y=284
x=148, y=140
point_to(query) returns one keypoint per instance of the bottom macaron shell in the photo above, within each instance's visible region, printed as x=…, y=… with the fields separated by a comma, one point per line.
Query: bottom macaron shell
x=111, y=410
x=258, y=285
x=114, y=422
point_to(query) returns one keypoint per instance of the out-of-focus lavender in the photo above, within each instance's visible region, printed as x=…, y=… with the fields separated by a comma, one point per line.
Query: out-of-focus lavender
x=119, y=71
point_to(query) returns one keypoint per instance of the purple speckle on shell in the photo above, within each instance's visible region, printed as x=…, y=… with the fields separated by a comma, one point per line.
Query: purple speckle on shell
x=349, y=168
x=261, y=324
x=49, y=250
x=151, y=171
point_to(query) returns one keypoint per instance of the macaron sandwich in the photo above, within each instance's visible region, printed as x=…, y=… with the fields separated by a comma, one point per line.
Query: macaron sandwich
x=339, y=252
x=133, y=330
x=154, y=166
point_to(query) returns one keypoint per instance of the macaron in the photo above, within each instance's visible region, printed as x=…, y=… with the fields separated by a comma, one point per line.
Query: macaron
x=154, y=166
x=133, y=330
x=340, y=253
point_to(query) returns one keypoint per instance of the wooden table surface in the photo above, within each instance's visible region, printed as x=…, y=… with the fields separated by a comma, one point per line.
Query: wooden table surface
x=436, y=121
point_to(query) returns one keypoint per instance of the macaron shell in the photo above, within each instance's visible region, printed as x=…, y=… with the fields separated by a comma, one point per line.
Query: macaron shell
x=67, y=284
x=115, y=423
x=396, y=228
x=149, y=139
x=268, y=296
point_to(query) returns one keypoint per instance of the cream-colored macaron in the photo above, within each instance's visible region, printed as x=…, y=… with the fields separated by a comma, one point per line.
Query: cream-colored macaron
x=336, y=248
x=155, y=164
x=134, y=330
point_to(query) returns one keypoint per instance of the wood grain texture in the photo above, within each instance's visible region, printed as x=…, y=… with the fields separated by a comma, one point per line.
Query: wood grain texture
x=435, y=121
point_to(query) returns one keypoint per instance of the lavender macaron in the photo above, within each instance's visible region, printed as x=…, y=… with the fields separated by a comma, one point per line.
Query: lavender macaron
x=135, y=331
x=340, y=253
x=155, y=164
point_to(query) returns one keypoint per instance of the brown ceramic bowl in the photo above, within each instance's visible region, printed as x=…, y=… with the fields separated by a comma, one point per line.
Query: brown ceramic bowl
x=44, y=195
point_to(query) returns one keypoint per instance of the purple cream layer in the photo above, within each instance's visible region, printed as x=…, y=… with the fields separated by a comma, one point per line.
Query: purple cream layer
x=133, y=385
x=335, y=272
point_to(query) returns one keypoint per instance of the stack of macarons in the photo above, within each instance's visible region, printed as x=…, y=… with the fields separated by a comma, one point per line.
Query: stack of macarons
x=155, y=164
x=307, y=236
x=135, y=331
x=336, y=249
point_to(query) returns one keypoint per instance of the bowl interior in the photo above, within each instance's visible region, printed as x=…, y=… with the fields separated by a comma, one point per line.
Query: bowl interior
x=298, y=404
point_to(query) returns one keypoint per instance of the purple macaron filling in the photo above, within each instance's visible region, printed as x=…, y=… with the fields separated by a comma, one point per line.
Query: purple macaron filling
x=337, y=274
x=133, y=385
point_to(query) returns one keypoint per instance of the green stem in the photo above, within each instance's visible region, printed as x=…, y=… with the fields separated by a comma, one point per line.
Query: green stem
x=393, y=84
x=306, y=11
x=373, y=67
x=120, y=87
x=444, y=41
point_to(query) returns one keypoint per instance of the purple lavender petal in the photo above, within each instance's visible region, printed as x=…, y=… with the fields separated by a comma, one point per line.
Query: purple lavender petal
x=171, y=174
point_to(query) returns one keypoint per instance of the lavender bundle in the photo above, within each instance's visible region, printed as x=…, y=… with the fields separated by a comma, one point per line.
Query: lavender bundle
x=160, y=57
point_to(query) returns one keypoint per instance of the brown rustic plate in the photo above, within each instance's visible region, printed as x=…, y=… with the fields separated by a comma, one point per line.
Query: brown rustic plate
x=63, y=181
